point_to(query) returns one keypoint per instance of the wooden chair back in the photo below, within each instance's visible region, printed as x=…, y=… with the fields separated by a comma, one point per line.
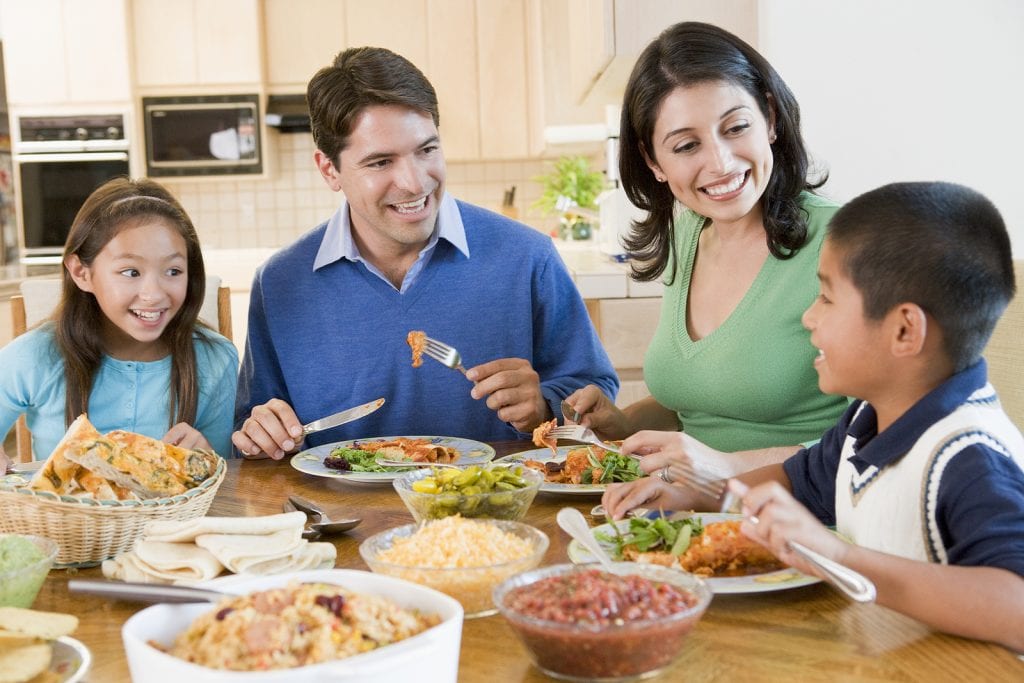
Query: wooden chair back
x=1005, y=354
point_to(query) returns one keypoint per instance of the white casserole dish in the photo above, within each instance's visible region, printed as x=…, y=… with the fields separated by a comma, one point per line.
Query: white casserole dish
x=428, y=657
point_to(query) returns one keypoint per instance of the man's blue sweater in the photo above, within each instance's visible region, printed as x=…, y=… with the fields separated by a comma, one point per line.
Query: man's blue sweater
x=333, y=338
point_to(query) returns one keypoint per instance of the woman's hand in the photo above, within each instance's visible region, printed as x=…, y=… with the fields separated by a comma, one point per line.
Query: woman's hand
x=5, y=462
x=599, y=413
x=681, y=453
x=774, y=518
x=186, y=436
x=650, y=492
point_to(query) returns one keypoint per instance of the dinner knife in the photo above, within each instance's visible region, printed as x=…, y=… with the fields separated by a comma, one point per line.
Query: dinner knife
x=342, y=417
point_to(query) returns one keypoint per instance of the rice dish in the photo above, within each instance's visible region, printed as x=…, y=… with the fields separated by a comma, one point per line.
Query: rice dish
x=300, y=624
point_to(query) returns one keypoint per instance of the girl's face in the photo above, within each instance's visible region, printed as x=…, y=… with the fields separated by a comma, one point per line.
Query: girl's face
x=139, y=279
x=713, y=146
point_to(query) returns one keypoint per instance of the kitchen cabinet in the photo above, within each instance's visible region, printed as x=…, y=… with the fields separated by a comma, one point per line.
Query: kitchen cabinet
x=300, y=38
x=590, y=46
x=476, y=53
x=189, y=43
x=66, y=52
x=626, y=327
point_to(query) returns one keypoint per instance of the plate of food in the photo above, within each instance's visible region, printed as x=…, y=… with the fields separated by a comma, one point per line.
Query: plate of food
x=355, y=460
x=708, y=544
x=577, y=470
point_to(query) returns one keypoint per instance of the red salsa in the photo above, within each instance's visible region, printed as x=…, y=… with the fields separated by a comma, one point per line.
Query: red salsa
x=604, y=625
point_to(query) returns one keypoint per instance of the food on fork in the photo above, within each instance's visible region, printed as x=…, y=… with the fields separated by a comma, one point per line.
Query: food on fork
x=120, y=465
x=716, y=549
x=417, y=340
x=542, y=436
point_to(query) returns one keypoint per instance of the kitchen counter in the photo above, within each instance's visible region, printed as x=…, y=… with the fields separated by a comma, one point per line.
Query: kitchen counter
x=598, y=276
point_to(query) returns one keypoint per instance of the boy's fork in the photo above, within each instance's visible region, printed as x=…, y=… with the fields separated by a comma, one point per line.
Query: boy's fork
x=444, y=354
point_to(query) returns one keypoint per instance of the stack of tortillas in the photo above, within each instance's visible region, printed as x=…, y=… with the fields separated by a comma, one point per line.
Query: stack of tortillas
x=200, y=549
x=25, y=643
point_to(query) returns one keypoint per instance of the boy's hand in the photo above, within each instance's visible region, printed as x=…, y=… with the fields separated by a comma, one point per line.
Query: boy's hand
x=774, y=518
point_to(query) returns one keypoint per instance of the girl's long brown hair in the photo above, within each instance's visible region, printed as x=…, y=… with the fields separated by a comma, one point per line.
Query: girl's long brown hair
x=114, y=206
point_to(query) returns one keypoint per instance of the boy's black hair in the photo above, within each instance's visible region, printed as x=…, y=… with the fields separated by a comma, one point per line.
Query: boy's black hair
x=939, y=245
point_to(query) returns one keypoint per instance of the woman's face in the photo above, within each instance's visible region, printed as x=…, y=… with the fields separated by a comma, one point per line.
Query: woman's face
x=713, y=146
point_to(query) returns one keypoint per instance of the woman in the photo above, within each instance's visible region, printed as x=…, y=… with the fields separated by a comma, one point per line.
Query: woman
x=709, y=125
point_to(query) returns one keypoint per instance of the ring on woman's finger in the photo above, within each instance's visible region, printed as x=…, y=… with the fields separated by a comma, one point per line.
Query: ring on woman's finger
x=664, y=474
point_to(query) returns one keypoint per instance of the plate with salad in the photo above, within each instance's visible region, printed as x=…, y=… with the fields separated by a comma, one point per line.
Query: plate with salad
x=708, y=544
x=351, y=462
x=577, y=470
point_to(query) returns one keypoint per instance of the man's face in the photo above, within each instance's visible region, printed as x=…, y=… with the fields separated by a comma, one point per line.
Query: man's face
x=392, y=172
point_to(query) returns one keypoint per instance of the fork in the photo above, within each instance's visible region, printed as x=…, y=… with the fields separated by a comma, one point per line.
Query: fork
x=850, y=582
x=581, y=434
x=444, y=354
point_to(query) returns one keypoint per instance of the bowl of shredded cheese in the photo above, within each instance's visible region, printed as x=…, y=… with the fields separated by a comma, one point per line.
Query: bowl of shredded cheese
x=464, y=558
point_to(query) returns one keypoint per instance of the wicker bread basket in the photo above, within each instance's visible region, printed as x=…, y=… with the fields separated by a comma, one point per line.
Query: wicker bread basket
x=90, y=531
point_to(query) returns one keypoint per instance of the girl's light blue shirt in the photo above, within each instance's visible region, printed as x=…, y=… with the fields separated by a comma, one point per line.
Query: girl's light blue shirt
x=129, y=395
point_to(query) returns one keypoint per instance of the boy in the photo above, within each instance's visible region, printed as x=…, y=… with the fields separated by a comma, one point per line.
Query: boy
x=925, y=473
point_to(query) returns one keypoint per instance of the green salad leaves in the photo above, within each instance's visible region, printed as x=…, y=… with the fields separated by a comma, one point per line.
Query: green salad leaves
x=660, y=534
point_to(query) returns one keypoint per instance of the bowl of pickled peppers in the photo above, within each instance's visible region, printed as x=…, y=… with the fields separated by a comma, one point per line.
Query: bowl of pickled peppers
x=492, y=491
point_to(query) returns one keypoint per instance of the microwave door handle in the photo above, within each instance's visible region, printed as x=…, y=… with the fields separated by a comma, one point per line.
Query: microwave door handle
x=71, y=156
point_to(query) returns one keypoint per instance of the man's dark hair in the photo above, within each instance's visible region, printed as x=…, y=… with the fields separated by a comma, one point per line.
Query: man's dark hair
x=358, y=78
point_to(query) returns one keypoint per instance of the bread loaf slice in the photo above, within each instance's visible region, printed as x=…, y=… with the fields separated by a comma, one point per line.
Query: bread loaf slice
x=23, y=664
x=58, y=473
x=31, y=622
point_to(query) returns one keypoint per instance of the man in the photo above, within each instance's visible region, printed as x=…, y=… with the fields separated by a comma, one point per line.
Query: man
x=329, y=314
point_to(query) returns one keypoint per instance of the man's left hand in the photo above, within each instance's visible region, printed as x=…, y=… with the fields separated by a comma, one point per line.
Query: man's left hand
x=512, y=389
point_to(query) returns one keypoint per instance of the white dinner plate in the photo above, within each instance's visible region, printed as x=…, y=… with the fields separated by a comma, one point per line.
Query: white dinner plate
x=781, y=579
x=545, y=455
x=311, y=461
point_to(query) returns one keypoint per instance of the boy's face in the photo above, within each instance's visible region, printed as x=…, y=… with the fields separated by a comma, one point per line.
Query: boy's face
x=851, y=348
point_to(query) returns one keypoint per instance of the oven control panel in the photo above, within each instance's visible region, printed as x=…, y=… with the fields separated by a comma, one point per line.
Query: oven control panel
x=71, y=133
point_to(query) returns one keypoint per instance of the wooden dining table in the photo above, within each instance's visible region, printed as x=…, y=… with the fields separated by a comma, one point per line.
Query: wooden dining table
x=800, y=634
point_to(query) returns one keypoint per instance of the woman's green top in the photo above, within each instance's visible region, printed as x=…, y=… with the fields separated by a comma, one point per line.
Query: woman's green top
x=751, y=383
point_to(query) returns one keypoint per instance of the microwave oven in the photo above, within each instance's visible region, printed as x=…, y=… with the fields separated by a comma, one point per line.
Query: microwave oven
x=202, y=135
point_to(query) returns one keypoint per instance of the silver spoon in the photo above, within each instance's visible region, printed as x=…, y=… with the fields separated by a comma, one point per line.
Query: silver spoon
x=321, y=524
x=573, y=523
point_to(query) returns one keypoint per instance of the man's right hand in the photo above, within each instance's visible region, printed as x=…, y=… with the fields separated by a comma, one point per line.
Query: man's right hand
x=271, y=431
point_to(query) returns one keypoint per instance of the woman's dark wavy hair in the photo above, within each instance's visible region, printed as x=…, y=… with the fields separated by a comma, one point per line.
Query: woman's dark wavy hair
x=116, y=205
x=688, y=54
x=358, y=78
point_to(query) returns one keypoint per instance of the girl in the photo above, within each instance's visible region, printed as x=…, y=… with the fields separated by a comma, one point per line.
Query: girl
x=125, y=344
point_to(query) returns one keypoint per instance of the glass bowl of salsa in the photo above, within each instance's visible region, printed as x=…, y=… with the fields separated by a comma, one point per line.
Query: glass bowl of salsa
x=581, y=623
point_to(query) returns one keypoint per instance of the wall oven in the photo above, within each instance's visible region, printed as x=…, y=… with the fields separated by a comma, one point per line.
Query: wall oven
x=59, y=161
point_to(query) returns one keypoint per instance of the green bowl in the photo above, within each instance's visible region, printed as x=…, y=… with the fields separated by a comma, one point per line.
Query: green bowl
x=22, y=568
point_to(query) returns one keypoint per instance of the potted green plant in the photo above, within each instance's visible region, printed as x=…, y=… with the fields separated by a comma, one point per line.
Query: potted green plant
x=571, y=184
